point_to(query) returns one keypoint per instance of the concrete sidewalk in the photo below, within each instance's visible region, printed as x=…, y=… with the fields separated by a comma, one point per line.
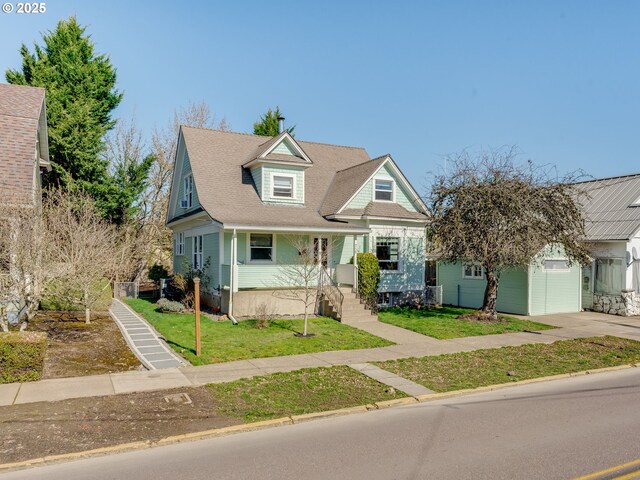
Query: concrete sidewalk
x=578, y=325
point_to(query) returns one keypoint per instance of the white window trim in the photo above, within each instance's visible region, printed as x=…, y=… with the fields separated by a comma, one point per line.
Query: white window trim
x=273, y=249
x=194, y=252
x=180, y=243
x=472, y=277
x=293, y=178
x=556, y=270
x=399, y=261
x=393, y=189
x=185, y=196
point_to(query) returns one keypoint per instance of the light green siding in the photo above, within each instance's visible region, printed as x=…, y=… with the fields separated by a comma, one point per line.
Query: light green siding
x=469, y=292
x=186, y=170
x=342, y=250
x=180, y=260
x=297, y=172
x=411, y=276
x=210, y=251
x=283, y=148
x=365, y=195
x=554, y=291
x=256, y=173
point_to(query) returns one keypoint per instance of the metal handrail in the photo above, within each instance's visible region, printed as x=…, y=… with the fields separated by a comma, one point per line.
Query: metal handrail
x=330, y=290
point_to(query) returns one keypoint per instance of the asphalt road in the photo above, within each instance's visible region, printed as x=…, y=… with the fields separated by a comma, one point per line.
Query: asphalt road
x=559, y=429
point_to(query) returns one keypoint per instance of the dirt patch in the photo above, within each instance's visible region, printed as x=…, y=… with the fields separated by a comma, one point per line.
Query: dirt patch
x=47, y=428
x=75, y=348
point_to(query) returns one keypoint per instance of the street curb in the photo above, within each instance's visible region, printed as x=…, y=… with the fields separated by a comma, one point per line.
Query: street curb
x=295, y=419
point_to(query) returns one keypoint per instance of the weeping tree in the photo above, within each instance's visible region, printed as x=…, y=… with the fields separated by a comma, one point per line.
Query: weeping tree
x=491, y=210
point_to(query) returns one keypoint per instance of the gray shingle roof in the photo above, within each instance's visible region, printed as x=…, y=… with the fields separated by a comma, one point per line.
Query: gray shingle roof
x=227, y=192
x=608, y=207
x=384, y=209
x=20, y=114
x=346, y=182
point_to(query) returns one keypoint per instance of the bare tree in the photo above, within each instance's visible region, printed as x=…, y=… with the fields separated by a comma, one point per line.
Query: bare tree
x=84, y=250
x=24, y=269
x=156, y=197
x=299, y=273
x=492, y=211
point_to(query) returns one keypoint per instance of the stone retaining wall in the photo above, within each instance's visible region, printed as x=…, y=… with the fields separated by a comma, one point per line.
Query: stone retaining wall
x=625, y=304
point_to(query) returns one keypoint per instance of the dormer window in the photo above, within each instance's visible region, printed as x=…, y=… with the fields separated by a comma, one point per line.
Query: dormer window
x=384, y=190
x=283, y=186
x=187, y=199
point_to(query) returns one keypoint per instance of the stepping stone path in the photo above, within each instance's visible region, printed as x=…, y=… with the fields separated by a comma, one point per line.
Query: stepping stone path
x=143, y=340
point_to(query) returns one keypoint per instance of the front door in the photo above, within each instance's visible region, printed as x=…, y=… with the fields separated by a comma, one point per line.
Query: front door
x=321, y=251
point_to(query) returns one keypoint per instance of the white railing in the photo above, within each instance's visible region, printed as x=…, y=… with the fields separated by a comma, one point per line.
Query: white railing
x=433, y=295
x=125, y=290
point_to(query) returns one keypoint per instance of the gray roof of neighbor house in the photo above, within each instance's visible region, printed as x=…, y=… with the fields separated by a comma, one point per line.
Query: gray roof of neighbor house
x=21, y=114
x=227, y=192
x=611, y=207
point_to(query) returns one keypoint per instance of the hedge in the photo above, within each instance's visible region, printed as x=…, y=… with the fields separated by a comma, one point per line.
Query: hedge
x=22, y=356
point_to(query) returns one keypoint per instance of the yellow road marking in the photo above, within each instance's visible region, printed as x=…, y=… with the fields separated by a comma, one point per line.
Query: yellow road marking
x=629, y=475
x=613, y=469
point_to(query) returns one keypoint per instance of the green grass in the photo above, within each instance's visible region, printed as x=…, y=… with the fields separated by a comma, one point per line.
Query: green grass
x=442, y=323
x=22, y=356
x=509, y=364
x=294, y=393
x=225, y=342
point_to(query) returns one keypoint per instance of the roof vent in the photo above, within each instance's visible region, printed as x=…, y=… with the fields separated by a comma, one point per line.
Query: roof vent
x=280, y=124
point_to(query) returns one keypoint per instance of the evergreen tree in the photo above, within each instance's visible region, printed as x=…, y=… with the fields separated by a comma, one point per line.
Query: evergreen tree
x=80, y=97
x=268, y=124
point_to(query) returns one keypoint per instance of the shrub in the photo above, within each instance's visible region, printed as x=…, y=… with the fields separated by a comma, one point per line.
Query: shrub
x=182, y=287
x=166, y=305
x=52, y=302
x=368, y=279
x=22, y=356
x=157, y=272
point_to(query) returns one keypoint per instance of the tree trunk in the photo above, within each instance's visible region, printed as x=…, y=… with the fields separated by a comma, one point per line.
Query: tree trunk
x=87, y=311
x=490, y=301
x=306, y=316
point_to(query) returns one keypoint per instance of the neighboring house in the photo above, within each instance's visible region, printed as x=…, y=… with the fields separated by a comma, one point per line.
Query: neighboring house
x=611, y=284
x=237, y=200
x=548, y=285
x=24, y=154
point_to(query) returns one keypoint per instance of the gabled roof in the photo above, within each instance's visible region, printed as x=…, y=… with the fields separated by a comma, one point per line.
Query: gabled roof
x=265, y=152
x=22, y=119
x=609, y=207
x=227, y=192
x=346, y=183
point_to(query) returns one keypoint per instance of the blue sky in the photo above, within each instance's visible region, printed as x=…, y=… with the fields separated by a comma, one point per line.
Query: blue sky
x=419, y=80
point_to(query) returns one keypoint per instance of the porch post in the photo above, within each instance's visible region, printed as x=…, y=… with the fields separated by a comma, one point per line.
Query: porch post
x=234, y=261
x=355, y=263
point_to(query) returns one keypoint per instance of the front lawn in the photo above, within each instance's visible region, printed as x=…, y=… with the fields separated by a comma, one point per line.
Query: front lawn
x=509, y=364
x=225, y=342
x=294, y=393
x=442, y=323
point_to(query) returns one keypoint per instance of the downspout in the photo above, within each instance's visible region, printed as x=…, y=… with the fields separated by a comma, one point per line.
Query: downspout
x=232, y=276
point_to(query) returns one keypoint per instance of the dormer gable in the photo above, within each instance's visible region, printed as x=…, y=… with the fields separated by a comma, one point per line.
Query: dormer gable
x=278, y=170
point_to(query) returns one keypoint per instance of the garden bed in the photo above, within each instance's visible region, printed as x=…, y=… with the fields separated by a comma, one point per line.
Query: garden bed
x=22, y=356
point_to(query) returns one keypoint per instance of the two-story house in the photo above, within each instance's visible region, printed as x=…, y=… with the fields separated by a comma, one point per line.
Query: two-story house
x=238, y=199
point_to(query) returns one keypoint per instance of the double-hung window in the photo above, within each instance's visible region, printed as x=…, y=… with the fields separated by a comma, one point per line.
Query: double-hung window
x=472, y=270
x=610, y=275
x=261, y=247
x=282, y=186
x=197, y=252
x=179, y=249
x=387, y=251
x=187, y=199
x=384, y=190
